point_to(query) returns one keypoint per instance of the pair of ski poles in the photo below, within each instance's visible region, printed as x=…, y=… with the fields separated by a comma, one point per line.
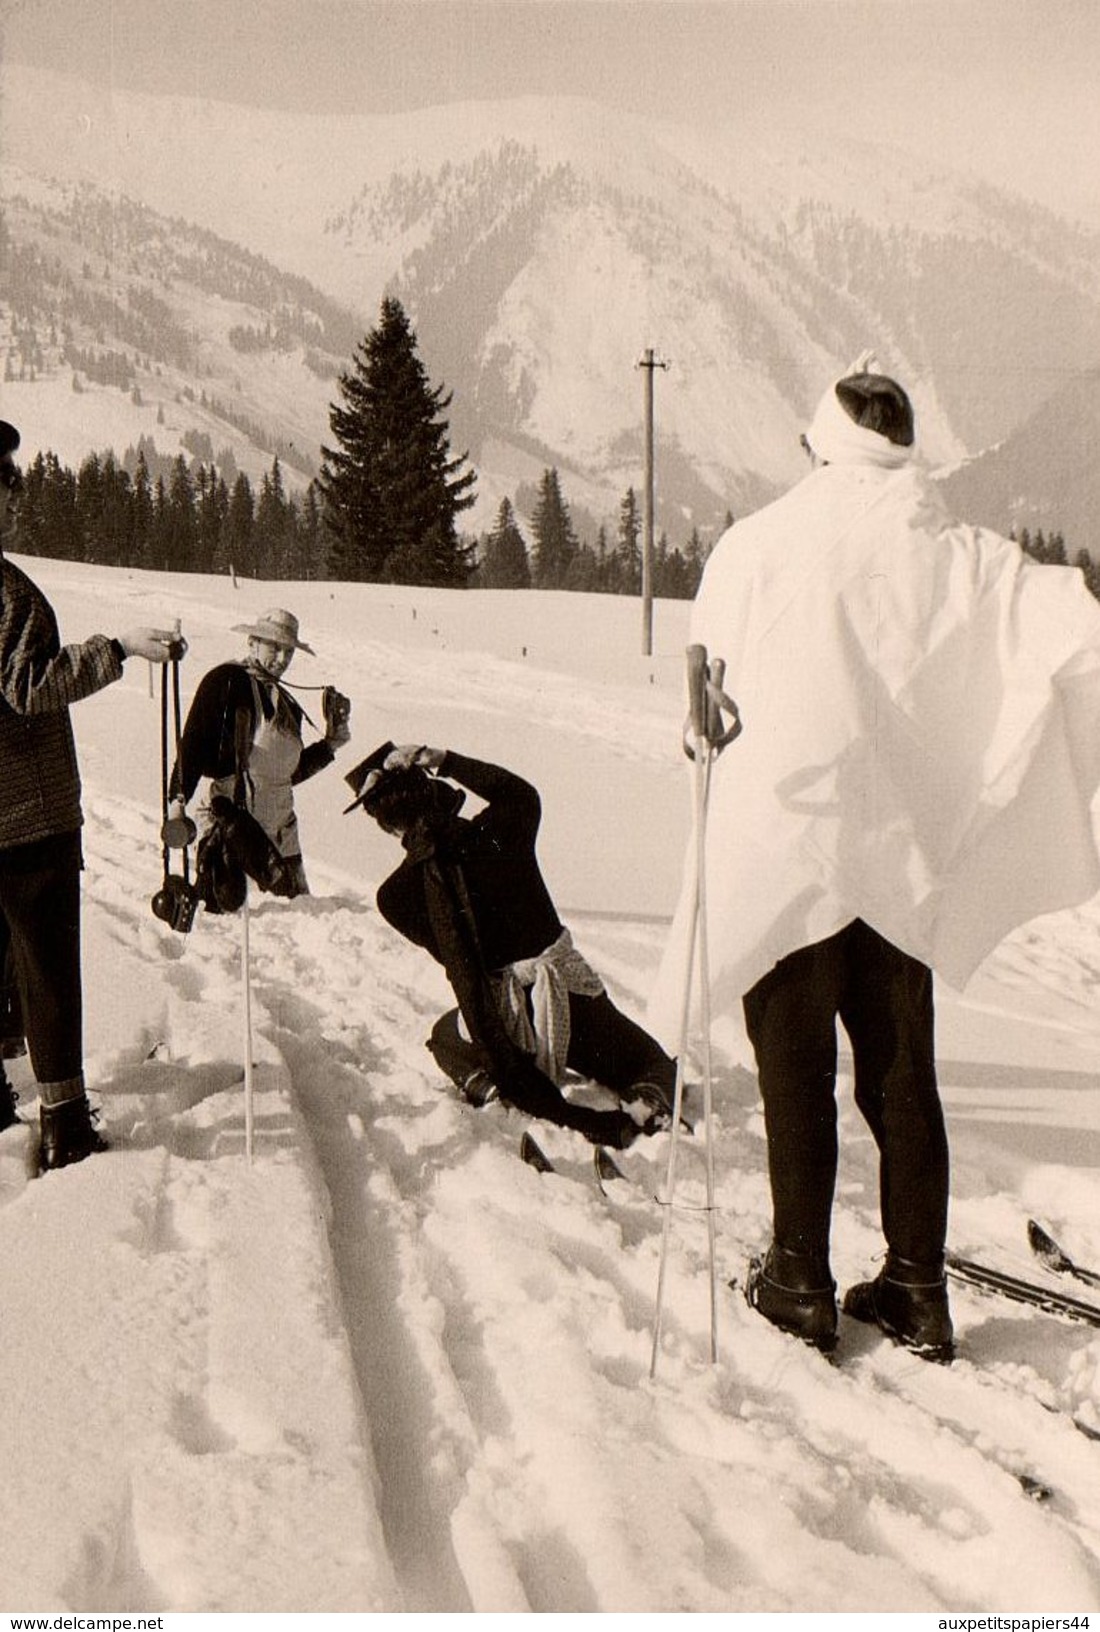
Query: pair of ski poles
x=706, y=736
x=177, y=900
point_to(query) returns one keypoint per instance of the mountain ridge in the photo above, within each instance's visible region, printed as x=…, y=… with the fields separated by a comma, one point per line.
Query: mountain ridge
x=540, y=245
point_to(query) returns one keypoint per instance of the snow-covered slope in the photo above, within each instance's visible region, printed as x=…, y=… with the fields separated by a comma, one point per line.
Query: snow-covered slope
x=389, y=1367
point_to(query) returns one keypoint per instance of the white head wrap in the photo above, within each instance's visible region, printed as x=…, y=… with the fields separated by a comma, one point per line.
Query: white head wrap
x=835, y=437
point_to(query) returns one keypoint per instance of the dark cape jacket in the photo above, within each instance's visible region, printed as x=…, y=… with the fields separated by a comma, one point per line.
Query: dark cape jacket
x=221, y=724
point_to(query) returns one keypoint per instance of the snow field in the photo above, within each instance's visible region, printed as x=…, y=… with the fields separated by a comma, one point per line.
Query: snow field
x=389, y=1367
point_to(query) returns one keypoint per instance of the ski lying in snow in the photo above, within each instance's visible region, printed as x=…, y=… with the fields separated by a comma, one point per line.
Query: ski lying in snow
x=534, y=1156
x=1048, y=1252
x=1021, y=1291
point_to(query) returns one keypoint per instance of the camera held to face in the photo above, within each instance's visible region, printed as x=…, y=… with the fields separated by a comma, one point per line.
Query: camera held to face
x=175, y=904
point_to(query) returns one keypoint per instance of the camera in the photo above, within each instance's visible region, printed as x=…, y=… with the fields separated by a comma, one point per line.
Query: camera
x=336, y=707
x=176, y=903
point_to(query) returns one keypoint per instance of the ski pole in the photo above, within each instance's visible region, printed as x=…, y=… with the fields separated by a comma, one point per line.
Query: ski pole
x=712, y=729
x=246, y=994
x=696, y=681
x=706, y=700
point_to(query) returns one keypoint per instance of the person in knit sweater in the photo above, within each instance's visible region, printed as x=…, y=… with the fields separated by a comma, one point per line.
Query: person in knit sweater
x=40, y=822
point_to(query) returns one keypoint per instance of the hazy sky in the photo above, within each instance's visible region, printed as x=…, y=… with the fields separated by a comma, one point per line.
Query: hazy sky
x=1009, y=87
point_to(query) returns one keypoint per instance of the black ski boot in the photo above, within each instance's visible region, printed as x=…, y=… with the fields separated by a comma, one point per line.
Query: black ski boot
x=69, y=1134
x=479, y=1089
x=796, y=1293
x=909, y=1303
x=8, y=1101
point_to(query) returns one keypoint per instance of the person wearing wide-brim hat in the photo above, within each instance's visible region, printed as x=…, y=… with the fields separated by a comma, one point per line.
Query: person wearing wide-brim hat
x=244, y=732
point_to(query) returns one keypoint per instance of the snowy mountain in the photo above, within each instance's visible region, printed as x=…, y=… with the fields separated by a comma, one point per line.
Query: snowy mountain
x=1044, y=474
x=388, y=1367
x=541, y=245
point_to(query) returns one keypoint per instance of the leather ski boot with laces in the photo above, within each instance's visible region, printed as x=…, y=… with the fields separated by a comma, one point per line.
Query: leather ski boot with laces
x=796, y=1292
x=908, y=1302
x=69, y=1134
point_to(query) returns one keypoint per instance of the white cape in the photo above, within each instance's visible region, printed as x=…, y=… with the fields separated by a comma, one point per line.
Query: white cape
x=921, y=743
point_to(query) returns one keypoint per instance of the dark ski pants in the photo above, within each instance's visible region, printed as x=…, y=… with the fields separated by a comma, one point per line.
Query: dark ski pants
x=40, y=910
x=883, y=999
x=604, y=1044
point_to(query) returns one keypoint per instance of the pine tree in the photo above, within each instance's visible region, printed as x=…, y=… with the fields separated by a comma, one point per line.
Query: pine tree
x=504, y=564
x=142, y=535
x=552, y=528
x=236, y=550
x=274, y=525
x=179, y=527
x=629, y=551
x=390, y=488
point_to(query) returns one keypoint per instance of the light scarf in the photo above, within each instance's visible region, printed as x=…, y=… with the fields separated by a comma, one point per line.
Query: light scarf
x=836, y=438
x=551, y=976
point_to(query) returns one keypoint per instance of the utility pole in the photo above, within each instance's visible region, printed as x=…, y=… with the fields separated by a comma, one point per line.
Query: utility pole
x=648, y=362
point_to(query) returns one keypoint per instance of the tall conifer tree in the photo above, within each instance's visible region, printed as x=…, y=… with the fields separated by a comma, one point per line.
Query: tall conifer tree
x=391, y=490
x=555, y=539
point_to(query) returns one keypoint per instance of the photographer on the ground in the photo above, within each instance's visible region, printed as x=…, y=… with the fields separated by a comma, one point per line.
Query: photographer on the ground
x=469, y=890
x=40, y=821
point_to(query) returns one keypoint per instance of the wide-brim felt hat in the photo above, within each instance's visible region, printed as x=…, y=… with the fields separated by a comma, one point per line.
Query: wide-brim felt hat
x=9, y=439
x=363, y=778
x=279, y=627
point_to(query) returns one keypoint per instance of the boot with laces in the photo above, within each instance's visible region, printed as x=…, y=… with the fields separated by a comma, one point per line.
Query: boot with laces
x=907, y=1301
x=796, y=1292
x=69, y=1133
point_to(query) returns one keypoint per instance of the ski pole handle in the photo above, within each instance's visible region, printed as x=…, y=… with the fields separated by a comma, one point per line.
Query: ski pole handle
x=697, y=689
x=716, y=675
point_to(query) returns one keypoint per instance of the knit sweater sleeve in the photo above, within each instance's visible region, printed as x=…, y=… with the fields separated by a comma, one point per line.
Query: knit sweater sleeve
x=37, y=674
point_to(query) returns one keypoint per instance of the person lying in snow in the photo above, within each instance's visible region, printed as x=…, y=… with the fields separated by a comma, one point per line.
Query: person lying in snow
x=469, y=890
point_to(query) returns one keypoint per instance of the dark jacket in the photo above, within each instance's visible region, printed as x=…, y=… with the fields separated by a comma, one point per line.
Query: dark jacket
x=513, y=914
x=221, y=724
x=39, y=678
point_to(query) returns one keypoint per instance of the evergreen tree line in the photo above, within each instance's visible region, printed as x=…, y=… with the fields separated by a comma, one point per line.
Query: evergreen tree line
x=188, y=520
x=384, y=508
x=182, y=515
x=558, y=559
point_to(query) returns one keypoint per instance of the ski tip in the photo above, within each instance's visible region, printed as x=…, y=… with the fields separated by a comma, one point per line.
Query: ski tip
x=1039, y=1240
x=1035, y=1488
x=607, y=1168
x=534, y=1156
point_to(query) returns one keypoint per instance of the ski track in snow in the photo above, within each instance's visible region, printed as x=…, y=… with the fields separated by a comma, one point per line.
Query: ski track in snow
x=487, y=1436
x=389, y=1367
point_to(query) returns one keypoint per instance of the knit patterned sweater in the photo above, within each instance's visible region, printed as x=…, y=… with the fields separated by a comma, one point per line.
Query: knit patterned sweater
x=39, y=678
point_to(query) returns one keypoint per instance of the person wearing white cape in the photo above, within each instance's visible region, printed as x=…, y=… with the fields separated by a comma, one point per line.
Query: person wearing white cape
x=916, y=777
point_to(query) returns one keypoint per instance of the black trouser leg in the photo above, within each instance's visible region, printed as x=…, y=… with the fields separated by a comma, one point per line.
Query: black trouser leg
x=11, y=1012
x=889, y=1016
x=455, y=1056
x=520, y=1083
x=614, y=1050
x=790, y=1015
x=40, y=901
